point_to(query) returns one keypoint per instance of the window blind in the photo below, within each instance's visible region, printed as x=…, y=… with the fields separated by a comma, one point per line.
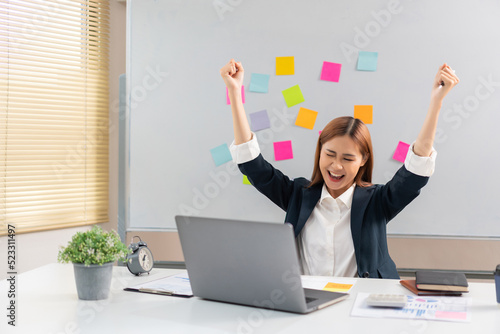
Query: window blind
x=53, y=113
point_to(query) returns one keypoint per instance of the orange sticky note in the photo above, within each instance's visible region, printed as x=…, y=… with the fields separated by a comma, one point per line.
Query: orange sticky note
x=285, y=66
x=364, y=113
x=306, y=118
x=337, y=287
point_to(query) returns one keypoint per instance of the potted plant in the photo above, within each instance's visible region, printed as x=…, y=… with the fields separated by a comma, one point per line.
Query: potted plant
x=93, y=253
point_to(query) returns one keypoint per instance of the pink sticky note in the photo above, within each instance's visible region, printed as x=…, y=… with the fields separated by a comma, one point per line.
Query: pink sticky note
x=242, y=95
x=283, y=150
x=451, y=315
x=401, y=151
x=331, y=71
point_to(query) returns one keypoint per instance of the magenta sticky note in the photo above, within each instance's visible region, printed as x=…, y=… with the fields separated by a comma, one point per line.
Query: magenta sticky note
x=242, y=95
x=401, y=151
x=331, y=71
x=283, y=150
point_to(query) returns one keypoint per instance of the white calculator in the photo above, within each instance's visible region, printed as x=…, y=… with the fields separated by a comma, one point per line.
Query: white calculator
x=386, y=300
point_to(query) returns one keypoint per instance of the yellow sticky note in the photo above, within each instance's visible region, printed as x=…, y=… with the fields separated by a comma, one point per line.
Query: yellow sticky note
x=337, y=287
x=306, y=118
x=245, y=180
x=285, y=66
x=364, y=113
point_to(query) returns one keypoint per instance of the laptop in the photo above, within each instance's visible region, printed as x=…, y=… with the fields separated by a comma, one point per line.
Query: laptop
x=248, y=263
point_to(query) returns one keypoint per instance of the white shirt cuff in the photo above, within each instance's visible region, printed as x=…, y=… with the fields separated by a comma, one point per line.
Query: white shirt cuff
x=423, y=166
x=245, y=152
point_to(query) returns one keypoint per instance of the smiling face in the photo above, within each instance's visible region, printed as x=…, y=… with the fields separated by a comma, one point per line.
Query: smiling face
x=340, y=160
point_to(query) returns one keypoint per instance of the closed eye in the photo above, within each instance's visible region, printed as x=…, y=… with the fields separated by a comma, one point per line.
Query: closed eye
x=346, y=157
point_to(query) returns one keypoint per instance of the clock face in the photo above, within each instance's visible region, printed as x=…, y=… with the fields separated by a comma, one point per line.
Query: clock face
x=145, y=259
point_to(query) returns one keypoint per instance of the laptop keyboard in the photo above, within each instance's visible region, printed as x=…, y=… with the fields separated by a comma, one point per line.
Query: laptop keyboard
x=309, y=300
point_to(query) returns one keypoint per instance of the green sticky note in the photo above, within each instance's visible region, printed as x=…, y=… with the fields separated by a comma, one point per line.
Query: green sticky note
x=245, y=180
x=293, y=96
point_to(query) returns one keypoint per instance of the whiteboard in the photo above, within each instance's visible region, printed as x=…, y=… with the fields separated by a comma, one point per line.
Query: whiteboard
x=177, y=111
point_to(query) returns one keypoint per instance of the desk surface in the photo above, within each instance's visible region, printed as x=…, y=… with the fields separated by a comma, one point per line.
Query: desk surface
x=47, y=303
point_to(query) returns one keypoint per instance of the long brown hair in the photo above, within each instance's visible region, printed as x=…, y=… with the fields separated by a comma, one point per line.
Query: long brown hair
x=358, y=132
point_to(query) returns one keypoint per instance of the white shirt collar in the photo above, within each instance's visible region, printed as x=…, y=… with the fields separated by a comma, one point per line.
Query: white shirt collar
x=345, y=198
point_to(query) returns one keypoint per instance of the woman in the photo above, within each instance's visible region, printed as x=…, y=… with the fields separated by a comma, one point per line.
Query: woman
x=340, y=217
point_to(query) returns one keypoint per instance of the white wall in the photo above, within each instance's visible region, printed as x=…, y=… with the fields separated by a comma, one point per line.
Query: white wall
x=40, y=248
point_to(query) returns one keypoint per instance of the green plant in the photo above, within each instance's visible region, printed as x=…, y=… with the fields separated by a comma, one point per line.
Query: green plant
x=94, y=246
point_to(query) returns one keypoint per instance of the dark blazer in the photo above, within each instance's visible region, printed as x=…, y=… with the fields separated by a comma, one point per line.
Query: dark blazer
x=372, y=208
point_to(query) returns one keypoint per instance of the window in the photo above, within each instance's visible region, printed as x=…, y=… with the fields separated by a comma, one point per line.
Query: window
x=53, y=113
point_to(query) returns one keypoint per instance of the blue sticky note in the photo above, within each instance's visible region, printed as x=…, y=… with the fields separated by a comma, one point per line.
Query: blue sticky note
x=260, y=120
x=259, y=83
x=367, y=61
x=221, y=154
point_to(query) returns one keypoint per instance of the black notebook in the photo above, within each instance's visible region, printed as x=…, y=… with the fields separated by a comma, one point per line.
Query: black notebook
x=410, y=285
x=441, y=280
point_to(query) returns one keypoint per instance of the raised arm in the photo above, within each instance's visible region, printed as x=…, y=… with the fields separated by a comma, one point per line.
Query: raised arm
x=232, y=73
x=444, y=81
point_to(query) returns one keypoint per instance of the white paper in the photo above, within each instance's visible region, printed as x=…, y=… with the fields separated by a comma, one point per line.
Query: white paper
x=428, y=308
x=176, y=284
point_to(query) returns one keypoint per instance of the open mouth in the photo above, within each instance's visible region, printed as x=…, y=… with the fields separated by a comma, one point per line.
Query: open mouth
x=335, y=177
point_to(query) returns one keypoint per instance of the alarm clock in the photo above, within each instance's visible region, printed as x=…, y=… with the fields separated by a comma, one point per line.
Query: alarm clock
x=141, y=259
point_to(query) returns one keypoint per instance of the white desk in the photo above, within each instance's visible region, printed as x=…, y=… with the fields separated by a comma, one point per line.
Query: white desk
x=47, y=303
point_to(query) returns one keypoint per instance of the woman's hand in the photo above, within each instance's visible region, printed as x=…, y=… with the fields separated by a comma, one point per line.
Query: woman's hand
x=232, y=73
x=444, y=81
